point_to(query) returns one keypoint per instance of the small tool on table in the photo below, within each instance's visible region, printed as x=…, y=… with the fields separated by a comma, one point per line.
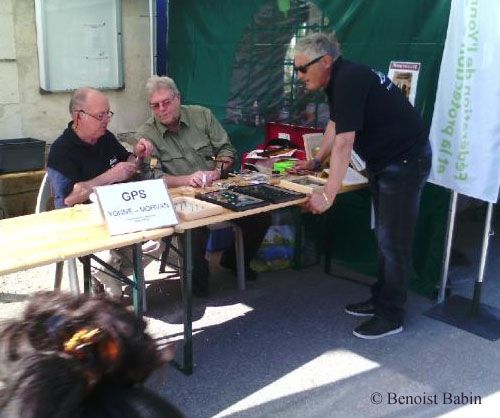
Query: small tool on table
x=138, y=164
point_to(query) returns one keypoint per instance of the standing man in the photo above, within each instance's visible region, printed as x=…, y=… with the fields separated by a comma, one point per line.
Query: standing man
x=192, y=149
x=370, y=114
x=88, y=155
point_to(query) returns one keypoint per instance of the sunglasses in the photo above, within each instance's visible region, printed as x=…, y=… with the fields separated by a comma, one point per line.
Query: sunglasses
x=303, y=68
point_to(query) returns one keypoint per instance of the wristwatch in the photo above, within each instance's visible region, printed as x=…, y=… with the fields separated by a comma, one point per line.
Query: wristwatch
x=316, y=163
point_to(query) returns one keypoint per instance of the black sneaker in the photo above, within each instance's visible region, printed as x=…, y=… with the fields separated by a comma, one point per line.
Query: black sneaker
x=360, y=309
x=377, y=327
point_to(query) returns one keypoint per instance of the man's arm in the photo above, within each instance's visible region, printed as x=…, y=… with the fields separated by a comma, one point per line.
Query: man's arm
x=339, y=162
x=81, y=190
x=326, y=145
x=225, y=153
x=324, y=150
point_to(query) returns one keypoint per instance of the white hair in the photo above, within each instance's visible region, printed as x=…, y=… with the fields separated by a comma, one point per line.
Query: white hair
x=157, y=83
x=317, y=44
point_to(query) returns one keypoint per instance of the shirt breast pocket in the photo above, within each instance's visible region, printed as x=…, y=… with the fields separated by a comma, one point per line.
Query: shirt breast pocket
x=206, y=153
x=174, y=163
x=205, y=149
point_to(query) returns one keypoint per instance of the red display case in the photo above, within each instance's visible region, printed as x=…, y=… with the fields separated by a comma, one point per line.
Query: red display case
x=293, y=133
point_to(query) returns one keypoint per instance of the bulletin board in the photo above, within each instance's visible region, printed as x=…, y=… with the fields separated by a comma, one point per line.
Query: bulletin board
x=79, y=44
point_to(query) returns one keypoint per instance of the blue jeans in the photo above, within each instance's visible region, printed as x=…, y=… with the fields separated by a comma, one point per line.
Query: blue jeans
x=396, y=191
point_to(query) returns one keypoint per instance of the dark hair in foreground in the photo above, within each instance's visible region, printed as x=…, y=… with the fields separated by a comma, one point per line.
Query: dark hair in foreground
x=78, y=357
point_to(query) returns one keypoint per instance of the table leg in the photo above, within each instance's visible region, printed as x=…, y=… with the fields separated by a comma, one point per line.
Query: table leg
x=297, y=221
x=86, y=274
x=137, y=290
x=186, y=287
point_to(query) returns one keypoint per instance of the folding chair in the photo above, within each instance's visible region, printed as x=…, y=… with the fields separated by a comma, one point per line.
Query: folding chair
x=41, y=206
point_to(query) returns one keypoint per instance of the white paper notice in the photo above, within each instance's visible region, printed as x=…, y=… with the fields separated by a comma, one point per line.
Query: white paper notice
x=352, y=177
x=405, y=76
x=136, y=206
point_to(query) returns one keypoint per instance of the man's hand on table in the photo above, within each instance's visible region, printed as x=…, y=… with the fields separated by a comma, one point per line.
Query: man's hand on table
x=82, y=189
x=203, y=178
x=319, y=202
x=302, y=165
x=310, y=165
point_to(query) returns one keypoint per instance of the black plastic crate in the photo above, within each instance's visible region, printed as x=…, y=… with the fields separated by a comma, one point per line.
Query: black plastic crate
x=21, y=154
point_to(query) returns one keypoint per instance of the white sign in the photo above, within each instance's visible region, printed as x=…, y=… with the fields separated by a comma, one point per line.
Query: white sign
x=136, y=206
x=465, y=132
x=405, y=76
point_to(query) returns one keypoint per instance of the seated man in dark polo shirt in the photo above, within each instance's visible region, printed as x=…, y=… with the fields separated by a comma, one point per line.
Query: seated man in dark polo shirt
x=88, y=155
x=192, y=148
x=369, y=114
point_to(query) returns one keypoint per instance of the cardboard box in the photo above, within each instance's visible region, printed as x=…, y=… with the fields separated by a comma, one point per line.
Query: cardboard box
x=21, y=154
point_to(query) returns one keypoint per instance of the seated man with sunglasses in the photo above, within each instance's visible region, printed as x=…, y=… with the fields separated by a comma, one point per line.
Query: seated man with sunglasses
x=88, y=155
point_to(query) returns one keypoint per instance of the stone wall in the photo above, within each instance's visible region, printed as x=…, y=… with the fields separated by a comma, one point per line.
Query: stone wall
x=27, y=112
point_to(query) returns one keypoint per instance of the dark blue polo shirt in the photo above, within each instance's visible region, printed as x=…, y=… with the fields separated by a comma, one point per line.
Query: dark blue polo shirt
x=388, y=128
x=71, y=161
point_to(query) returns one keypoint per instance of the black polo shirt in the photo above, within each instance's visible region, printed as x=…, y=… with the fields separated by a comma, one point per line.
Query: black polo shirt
x=71, y=161
x=388, y=128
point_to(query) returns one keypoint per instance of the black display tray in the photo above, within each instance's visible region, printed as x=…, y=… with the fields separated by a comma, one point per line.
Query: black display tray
x=269, y=192
x=232, y=200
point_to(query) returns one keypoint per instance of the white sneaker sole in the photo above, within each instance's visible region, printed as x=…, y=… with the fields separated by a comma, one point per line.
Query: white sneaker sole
x=353, y=313
x=374, y=337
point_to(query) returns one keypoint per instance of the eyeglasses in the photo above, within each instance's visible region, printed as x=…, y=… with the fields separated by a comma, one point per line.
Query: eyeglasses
x=100, y=116
x=303, y=68
x=163, y=103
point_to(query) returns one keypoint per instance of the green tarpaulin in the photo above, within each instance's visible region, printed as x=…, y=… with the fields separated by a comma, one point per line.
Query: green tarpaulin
x=231, y=56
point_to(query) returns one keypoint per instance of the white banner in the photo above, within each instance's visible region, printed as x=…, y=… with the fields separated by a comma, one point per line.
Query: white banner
x=465, y=131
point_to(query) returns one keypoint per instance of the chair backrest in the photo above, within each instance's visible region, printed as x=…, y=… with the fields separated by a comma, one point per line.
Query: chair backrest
x=43, y=195
x=42, y=204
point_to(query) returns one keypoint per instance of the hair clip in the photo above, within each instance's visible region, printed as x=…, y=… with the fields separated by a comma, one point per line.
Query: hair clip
x=79, y=344
x=97, y=351
x=81, y=339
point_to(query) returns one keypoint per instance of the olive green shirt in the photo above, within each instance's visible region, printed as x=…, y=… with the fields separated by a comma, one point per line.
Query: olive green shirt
x=200, y=140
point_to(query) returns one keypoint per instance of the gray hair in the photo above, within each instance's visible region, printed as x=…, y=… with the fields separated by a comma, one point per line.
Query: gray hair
x=317, y=44
x=79, y=98
x=156, y=83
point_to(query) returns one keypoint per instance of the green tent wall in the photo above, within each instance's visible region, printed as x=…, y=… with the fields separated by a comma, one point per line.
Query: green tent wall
x=203, y=39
